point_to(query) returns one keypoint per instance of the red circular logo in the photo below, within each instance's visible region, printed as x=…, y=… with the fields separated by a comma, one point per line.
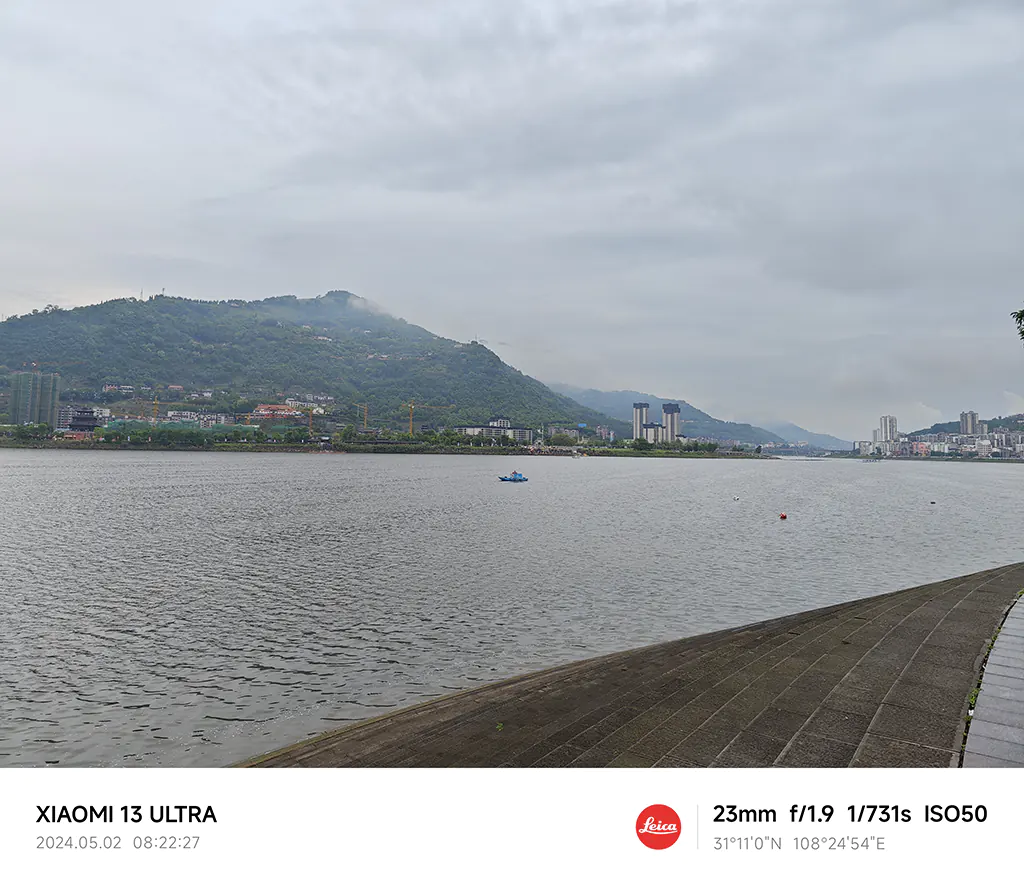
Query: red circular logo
x=658, y=826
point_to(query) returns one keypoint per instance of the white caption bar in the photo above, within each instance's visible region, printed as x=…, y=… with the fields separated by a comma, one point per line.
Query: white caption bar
x=503, y=826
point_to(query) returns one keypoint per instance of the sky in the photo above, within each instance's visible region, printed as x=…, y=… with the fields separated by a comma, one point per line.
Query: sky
x=806, y=211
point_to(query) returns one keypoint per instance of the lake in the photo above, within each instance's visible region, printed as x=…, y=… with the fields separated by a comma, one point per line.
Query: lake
x=194, y=609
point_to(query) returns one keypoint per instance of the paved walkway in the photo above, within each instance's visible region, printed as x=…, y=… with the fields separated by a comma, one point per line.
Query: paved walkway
x=878, y=682
x=996, y=733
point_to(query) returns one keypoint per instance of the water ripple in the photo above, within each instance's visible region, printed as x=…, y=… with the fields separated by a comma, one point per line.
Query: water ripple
x=194, y=609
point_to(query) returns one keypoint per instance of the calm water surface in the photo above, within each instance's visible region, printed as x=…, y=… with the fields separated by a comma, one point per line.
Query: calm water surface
x=197, y=609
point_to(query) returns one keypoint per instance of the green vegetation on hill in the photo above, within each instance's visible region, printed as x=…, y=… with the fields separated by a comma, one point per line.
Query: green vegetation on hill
x=337, y=344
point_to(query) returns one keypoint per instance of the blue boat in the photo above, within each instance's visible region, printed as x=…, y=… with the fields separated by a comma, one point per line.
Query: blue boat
x=514, y=477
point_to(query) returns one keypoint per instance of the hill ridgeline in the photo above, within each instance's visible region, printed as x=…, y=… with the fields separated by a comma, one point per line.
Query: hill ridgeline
x=336, y=344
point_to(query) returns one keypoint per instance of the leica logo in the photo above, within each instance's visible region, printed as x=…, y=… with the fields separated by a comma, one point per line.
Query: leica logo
x=658, y=826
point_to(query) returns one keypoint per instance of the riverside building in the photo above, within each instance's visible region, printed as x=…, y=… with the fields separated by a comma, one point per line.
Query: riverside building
x=665, y=431
x=887, y=429
x=652, y=432
x=639, y=419
x=670, y=421
x=35, y=398
x=84, y=420
x=498, y=426
x=968, y=422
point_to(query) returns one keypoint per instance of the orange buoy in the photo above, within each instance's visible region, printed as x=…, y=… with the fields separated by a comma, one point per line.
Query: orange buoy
x=782, y=516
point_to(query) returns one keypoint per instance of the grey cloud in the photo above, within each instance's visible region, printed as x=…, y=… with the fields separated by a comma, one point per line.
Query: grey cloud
x=804, y=208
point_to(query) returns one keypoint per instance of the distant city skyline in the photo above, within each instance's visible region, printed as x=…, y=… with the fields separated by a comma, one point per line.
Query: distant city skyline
x=973, y=439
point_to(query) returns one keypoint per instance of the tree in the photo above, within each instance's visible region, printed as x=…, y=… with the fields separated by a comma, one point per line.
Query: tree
x=757, y=449
x=261, y=351
x=560, y=440
x=642, y=444
x=1018, y=317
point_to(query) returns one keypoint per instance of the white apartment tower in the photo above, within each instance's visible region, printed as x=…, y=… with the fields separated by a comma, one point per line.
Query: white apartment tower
x=969, y=423
x=639, y=419
x=670, y=421
x=887, y=426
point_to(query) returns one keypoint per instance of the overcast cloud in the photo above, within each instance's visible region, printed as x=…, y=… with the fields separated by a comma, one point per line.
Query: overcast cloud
x=803, y=210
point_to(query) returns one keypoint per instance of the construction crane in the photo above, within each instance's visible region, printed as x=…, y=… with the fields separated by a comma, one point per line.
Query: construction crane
x=366, y=414
x=412, y=404
x=309, y=412
x=156, y=401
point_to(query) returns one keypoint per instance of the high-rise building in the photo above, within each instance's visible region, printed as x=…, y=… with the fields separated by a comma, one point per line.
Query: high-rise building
x=887, y=428
x=968, y=422
x=49, y=399
x=639, y=419
x=24, y=392
x=670, y=421
x=34, y=398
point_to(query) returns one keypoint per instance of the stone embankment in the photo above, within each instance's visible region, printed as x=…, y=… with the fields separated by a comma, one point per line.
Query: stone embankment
x=885, y=681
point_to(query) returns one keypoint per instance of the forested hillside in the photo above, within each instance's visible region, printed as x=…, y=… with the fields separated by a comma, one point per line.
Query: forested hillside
x=336, y=344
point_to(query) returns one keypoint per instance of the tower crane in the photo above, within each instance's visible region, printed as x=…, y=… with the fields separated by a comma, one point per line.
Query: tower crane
x=412, y=404
x=156, y=401
x=309, y=412
x=366, y=414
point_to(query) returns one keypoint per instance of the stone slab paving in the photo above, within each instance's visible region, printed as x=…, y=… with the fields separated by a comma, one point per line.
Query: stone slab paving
x=995, y=736
x=883, y=681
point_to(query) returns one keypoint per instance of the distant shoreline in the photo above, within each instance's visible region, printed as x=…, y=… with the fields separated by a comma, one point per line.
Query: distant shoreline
x=919, y=459
x=427, y=449
x=373, y=449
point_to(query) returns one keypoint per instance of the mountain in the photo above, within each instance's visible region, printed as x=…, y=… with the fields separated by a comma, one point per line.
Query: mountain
x=693, y=422
x=792, y=433
x=337, y=344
